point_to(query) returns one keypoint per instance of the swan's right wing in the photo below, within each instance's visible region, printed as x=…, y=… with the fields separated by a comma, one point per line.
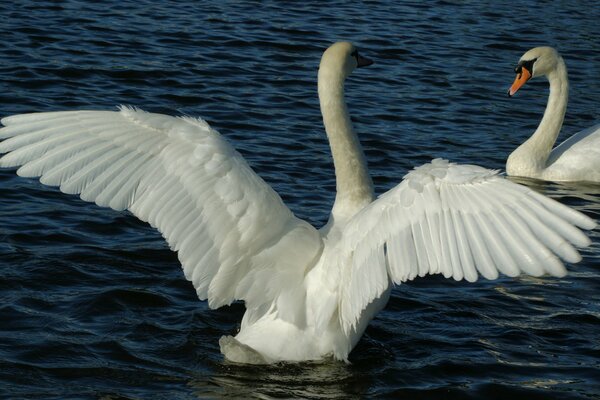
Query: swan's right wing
x=461, y=221
x=234, y=236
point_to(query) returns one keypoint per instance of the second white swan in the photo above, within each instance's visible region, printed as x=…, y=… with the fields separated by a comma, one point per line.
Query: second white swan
x=309, y=293
x=575, y=159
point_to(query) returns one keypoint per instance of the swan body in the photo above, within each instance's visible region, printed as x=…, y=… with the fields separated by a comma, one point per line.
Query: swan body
x=575, y=159
x=309, y=293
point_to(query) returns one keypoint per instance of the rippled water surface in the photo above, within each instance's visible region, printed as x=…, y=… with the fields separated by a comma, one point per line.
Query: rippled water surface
x=93, y=304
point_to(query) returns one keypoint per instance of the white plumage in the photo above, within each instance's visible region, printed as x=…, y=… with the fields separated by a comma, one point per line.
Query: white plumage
x=309, y=294
x=575, y=159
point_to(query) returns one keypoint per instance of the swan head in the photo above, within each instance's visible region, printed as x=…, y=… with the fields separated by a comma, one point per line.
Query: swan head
x=341, y=58
x=538, y=61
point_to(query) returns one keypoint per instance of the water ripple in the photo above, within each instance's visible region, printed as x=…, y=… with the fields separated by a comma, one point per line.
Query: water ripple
x=94, y=304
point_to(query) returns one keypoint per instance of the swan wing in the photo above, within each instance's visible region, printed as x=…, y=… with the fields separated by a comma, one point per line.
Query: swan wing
x=579, y=155
x=460, y=221
x=233, y=234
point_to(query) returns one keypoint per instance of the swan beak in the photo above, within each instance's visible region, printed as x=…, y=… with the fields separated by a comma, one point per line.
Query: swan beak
x=520, y=80
x=362, y=61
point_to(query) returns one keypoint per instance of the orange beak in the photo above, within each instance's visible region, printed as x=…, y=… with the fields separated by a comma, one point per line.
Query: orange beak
x=520, y=80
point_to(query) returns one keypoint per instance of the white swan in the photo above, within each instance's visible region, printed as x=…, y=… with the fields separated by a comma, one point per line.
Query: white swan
x=575, y=159
x=309, y=293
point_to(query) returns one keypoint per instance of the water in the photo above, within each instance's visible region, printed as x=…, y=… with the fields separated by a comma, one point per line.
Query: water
x=94, y=305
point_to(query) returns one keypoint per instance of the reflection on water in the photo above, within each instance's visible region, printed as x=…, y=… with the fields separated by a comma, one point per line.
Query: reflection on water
x=583, y=196
x=326, y=380
x=587, y=193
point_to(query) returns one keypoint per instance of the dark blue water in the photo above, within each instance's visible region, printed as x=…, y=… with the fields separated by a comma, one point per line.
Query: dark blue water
x=94, y=305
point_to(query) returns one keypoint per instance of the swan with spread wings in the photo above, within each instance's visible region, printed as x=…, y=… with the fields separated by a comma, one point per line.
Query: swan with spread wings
x=308, y=293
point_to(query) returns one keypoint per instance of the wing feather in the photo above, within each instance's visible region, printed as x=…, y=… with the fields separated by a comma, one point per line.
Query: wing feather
x=560, y=225
x=464, y=252
x=458, y=220
x=550, y=238
x=66, y=169
x=502, y=258
x=93, y=191
x=481, y=255
x=450, y=242
x=232, y=232
x=420, y=245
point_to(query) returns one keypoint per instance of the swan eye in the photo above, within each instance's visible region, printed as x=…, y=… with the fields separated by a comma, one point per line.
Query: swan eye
x=528, y=65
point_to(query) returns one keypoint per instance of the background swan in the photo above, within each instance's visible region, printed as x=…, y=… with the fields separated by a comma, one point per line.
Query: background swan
x=309, y=293
x=575, y=159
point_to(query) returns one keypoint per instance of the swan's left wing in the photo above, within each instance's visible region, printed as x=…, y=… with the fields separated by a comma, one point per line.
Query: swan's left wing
x=461, y=221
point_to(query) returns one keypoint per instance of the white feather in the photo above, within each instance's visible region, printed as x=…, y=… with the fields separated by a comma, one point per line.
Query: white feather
x=485, y=223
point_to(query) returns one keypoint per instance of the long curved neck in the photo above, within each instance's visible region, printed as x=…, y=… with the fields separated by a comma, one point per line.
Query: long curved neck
x=536, y=150
x=353, y=183
x=545, y=135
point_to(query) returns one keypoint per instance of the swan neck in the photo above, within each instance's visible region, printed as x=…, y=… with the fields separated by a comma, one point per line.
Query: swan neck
x=354, y=188
x=532, y=156
x=547, y=132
